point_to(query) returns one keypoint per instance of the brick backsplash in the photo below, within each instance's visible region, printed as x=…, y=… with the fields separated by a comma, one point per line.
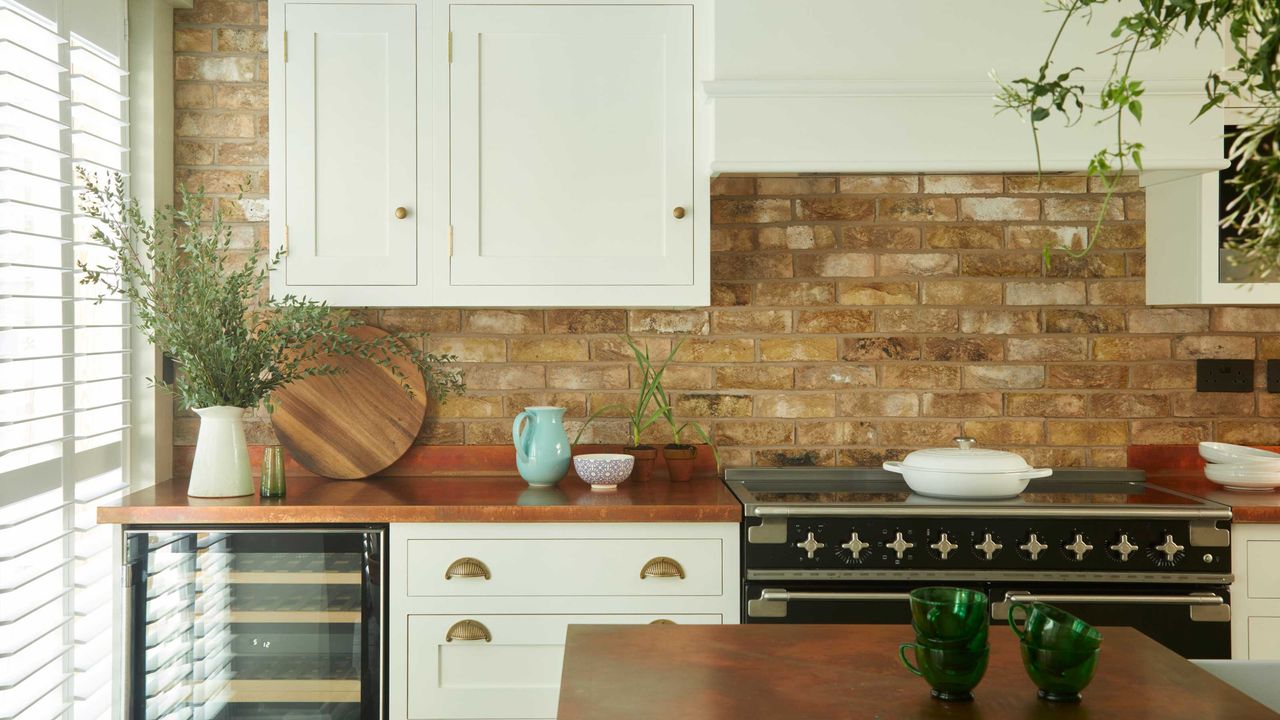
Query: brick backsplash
x=853, y=317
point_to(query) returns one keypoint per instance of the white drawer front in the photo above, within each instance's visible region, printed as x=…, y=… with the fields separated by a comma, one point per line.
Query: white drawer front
x=1263, y=555
x=565, y=567
x=1264, y=638
x=514, y=674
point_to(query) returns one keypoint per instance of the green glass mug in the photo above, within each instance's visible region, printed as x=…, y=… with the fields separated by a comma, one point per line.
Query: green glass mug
x=1060, y=674
x=1049, y=627
x=952, y=672
x=950, y=616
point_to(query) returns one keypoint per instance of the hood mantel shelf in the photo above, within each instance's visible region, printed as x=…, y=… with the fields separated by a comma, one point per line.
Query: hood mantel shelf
x=853, y=125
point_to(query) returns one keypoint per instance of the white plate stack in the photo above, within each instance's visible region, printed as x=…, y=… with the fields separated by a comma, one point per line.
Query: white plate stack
x=1242, y=468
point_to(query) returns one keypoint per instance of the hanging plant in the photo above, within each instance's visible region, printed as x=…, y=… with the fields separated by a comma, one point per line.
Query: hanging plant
x=1253, y=29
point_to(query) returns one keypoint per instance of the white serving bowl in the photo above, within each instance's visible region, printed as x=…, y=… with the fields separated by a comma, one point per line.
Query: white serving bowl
x=1216, y=452
x=1246, y=477
x=966, y=472
x=966, y=486
x=603, y=471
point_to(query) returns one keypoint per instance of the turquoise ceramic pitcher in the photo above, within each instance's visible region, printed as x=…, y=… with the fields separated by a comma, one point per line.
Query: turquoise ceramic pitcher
x=542, y=447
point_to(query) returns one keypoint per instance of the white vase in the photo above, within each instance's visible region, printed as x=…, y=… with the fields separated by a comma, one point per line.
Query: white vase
x=221, y=467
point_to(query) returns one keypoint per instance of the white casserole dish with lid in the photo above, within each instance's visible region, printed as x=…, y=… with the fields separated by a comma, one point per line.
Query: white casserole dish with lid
x=966, y=472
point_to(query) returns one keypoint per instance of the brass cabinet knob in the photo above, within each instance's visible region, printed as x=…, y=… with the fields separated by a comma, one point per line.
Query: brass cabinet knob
x=678, y=213
x=467, y=567
x=662, y=567
x=401, y=213
x=468, y=630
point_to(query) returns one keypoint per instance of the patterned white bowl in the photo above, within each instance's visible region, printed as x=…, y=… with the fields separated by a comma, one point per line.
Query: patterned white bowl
x=603, y=471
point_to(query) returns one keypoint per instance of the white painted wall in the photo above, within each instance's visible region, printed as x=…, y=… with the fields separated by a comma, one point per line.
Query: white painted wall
x=860, y=86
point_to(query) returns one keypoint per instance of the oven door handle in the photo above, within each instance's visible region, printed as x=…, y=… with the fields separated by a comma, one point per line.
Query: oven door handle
x=1204, y=606
x=772, y=602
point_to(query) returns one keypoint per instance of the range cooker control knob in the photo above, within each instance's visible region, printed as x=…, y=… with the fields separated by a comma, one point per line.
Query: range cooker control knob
x=855, y=546
x=1124, y=548
x=988, y=547
x=1033, y=547
x=944, y=546
x=1079, y=546
x=810, y=545
x=1170, y=549
x=900, y=545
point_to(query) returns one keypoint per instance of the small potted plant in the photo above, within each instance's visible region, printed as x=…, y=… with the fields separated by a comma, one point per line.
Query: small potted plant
x=212, y=315
x=679, y=455
x=647, y=410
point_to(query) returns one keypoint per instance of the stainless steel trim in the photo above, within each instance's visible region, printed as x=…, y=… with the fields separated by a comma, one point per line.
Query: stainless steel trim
x=1062, y=511
x=141, y=529
x=772, y=602
x=1019, y=576
x=383, y=618
x=1208, y=534
x=770, y=531
x=1220, y=611
x=125, y=700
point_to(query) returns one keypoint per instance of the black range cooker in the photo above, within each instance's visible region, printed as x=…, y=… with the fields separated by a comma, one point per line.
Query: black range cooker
x=846, y=546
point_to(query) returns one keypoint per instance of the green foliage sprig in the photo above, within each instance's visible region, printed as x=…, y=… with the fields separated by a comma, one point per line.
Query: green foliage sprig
x=1254, y=215
x=232, y=343
x=642, y=415
x=653, y=395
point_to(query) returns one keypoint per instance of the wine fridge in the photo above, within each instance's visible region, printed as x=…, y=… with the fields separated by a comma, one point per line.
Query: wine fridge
x=229, y=623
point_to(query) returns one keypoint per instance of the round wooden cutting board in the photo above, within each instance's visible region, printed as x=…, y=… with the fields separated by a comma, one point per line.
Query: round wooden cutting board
x=354, y=424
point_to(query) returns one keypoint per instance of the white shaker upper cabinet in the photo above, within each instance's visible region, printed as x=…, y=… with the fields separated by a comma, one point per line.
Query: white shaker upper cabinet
x=344, y=137
x=572, y=159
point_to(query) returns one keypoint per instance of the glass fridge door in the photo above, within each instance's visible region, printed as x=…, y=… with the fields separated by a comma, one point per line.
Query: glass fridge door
x=256, y=624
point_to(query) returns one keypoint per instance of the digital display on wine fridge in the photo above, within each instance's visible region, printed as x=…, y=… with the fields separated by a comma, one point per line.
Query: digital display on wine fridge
x=248, y=623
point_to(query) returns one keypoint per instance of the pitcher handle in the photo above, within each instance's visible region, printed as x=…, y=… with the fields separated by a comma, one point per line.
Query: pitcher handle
x=518, y=436
x=902, y=655
x=1022, y=634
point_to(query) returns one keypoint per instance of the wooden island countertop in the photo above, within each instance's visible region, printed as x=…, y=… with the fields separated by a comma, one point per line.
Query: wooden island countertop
x=461, y=497
x=834, y=672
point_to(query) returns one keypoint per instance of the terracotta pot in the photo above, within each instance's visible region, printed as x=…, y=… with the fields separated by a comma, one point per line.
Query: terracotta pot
x=644, y=455
x=679, y=461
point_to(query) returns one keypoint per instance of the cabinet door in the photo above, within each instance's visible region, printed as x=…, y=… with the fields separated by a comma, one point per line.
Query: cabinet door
x=350, y=144
x=510, y=670
x=571, y=135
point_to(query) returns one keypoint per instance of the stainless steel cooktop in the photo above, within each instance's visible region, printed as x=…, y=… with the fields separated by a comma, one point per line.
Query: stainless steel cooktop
x=1119, y=492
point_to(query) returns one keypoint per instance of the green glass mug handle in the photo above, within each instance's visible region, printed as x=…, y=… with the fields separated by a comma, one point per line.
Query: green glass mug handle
x=1022, y=635
x=902, y=655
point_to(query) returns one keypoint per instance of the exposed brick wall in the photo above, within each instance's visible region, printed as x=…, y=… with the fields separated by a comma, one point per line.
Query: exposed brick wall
x=854, y=317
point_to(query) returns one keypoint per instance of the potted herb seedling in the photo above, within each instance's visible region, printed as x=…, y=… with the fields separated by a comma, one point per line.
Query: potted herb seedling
x=679, y=455
x=647, y=410
x=212, y=315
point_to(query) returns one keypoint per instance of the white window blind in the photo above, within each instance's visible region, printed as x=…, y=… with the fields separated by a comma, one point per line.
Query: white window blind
x=64, y=382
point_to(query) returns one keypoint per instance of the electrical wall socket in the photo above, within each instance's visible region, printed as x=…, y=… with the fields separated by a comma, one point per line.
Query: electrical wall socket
x=1224, y=375
x=1273, y=376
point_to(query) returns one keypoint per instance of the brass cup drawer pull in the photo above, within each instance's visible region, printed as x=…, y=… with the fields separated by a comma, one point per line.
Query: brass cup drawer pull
x=662, y=621
x=468, y=630
x=467, y=567
x=662, y=567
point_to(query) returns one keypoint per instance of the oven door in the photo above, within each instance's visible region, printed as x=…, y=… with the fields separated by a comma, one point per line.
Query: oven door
x=868, y=603
x=1193, y=621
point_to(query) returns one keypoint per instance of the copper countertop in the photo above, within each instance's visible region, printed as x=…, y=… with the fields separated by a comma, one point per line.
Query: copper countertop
x=461, y=497
x=1246, y=507
x=774, y=672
